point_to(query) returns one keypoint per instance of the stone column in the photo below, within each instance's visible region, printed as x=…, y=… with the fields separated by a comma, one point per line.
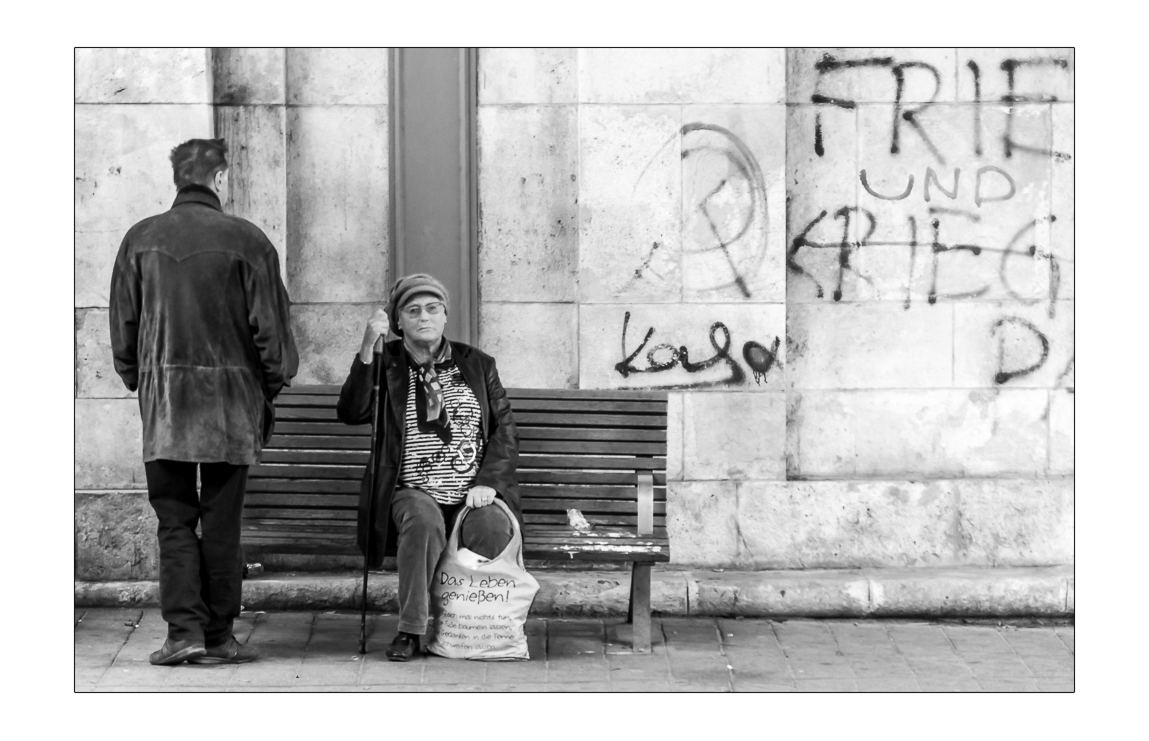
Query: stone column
x=132, y=106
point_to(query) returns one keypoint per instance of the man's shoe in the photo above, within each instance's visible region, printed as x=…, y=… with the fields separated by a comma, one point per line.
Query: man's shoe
x=176, y=652
x=403, y=647
x=231, y=652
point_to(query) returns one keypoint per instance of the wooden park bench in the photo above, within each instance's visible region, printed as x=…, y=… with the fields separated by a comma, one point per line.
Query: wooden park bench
x=600, y=452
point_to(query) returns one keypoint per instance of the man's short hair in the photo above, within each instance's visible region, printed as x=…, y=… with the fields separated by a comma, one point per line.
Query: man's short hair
x=197, y=161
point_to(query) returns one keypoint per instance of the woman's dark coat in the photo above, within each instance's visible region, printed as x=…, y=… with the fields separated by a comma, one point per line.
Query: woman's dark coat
x=500, y=456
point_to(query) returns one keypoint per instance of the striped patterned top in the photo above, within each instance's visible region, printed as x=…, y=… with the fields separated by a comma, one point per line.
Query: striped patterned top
x=444, y=470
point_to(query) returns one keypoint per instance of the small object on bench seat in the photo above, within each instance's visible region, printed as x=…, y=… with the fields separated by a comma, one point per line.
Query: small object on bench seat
x=599, y=453
x=577, y=521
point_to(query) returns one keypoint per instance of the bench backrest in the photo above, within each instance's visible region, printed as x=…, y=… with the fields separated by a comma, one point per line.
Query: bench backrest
x=578, y=450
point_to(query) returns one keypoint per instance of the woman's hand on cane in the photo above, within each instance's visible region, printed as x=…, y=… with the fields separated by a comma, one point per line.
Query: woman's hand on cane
x=377, y=327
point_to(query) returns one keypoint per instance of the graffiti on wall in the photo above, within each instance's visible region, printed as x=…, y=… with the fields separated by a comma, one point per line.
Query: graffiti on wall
x=720, y=368
x=951, y=201
x=727, y=192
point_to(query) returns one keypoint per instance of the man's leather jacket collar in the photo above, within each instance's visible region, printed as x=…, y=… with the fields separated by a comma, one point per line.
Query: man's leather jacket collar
x=196, y=193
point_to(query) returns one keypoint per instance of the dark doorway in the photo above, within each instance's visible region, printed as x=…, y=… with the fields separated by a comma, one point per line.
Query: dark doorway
x=434, y=180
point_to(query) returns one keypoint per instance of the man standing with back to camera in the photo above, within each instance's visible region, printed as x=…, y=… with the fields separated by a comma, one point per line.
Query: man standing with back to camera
x=200, y=326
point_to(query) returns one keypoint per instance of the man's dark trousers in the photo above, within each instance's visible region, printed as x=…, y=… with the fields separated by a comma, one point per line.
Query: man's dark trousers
x=201, y=577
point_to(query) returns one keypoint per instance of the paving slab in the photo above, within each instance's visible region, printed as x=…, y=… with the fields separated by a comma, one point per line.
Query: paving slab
x=317, y=651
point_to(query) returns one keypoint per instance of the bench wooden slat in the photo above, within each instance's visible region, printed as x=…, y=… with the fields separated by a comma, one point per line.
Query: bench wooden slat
x=588, y=405
x=592, y=478
x=589, y=420
x=327, y=457
x=327, y=486
x=302, y=500
x=305, y=400
x=584, y=492
x=559, y=519
x=527, y=462
x=320, y=442
x=264, y=471
x=292, y=414
x=264, y=511
x=308, y=529
x=558, y=552
x=610, y=447
x=619, y=394
x=337, y=429
x=588, y=506
x=532, y=432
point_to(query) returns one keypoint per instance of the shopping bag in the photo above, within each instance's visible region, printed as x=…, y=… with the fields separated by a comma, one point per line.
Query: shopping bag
x=480, y=605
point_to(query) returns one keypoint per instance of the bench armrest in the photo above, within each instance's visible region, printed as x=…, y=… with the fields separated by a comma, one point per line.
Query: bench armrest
x=645, y=503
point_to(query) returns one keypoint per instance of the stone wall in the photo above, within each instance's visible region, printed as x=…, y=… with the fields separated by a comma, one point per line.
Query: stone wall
x=307, y=130
x=851, y=269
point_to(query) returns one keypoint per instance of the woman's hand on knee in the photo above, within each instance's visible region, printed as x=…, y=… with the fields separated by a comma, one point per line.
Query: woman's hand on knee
x=480, y=496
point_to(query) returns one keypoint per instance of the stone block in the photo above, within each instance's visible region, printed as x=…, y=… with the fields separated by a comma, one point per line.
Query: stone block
x=135, y=75
x=734, y=436
x=1061, y=238
x=821, y=181
x=599, y=594
x=675, y=414
x=337, y=195
x=1061, y=448
x=868, y=75
x=873, y=345
x=115, y=536
x=968, y=592
x=527, y=76
x=846, y=524
x=109, y=444
x=528, y=188
x=723, y=346
x=327, y=337
x=1038, y=73
x=535, y=345
x=257, y=169
x=638, y=76
x=955, y=170
x=1012, y=344
x=337, y=76
x=1005, y=523
x=630, y=203
x=122, y=176
x=249, y=76
x=734, y=195
x=95, y=372
x=702, y=522
x=919, y=433
x=779, y=594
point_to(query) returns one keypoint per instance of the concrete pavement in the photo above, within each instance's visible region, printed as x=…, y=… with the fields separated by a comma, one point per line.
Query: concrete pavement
x=317, y=651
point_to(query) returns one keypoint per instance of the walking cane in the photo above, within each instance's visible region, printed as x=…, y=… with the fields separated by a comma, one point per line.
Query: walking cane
x=372, y=476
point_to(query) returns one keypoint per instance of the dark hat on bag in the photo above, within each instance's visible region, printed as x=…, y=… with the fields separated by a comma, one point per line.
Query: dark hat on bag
x=407, y=288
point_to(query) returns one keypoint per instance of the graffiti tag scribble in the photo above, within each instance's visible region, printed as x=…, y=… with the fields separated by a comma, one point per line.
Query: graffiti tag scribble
x=664, y=357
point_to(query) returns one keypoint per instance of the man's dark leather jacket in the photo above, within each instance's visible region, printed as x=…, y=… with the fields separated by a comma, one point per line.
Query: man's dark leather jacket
x=200, y=326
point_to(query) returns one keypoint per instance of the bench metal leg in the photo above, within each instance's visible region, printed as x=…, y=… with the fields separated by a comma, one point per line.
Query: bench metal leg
x=639, y=613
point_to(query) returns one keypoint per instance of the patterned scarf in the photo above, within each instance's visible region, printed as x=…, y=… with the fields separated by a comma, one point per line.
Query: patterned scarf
x=430, y=411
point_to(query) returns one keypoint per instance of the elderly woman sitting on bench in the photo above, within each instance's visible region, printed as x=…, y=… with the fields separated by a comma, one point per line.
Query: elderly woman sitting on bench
x=447, y=439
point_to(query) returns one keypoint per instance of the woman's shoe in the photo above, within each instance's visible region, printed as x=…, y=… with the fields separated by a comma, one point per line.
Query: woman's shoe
x=403, y=647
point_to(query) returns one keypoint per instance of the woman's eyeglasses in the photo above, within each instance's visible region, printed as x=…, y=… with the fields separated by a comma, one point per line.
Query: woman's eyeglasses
x=413, y=311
